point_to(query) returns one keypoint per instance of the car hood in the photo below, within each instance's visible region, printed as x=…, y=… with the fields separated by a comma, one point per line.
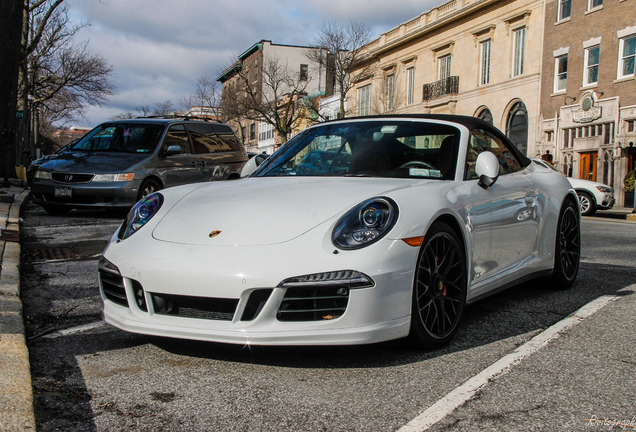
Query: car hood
x=582, y=183
x=262, y=211
x=92, y=163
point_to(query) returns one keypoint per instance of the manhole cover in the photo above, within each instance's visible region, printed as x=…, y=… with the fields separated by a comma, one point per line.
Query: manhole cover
x=49, y=253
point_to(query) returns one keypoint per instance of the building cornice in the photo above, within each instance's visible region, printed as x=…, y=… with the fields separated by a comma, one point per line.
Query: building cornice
x=418, y=29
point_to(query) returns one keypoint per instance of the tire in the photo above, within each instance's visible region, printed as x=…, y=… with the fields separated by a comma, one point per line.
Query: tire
x=588, y=206
x=56, y=210
x=439, y=290
x=567, y=250
x=147, y=187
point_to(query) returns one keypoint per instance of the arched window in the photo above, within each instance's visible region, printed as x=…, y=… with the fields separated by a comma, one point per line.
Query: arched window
x=485, y=115
x=517, y=126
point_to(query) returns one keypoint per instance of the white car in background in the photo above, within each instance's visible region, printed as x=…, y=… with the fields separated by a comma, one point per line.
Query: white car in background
x=592, y=195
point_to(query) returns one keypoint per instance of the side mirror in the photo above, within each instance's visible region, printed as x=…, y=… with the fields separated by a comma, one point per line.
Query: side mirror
x=172, y=150
x=487, y=169
x=253, y=163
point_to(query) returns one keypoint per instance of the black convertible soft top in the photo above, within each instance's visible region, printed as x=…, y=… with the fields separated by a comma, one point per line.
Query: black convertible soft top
x=469, y=122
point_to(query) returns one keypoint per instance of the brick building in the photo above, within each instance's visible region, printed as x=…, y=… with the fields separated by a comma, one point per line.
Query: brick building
x=588, y=89
x=259, y=136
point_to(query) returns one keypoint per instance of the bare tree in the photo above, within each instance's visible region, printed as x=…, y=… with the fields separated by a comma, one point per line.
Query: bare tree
x=158, y=109
x=344, y=43
x=207, y=96
x=275, y=100
x=207, y=93
x=59, y=78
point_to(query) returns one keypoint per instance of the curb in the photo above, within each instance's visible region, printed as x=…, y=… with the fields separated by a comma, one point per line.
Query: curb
x=16, y=394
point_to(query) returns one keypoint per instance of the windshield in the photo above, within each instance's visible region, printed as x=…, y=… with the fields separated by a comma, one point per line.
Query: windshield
x=121, y=138
x=377, y=148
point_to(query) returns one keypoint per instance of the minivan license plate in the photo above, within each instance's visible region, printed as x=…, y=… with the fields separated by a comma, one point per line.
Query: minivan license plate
x=63, y=192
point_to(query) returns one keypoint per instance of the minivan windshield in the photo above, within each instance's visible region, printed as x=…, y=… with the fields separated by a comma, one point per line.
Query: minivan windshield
x=121, y=138
x=374, y=148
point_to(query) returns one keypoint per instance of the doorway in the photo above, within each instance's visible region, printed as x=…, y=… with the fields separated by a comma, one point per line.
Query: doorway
x=588, y=166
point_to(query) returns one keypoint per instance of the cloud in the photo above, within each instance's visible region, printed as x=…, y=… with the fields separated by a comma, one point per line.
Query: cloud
x=159, y=48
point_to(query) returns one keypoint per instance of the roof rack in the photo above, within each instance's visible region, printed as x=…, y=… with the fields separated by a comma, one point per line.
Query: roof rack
x=182, y=117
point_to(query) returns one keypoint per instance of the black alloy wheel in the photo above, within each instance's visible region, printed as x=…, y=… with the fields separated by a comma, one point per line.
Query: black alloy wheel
x=567, y=254
x=147, y=187
x=439, y=293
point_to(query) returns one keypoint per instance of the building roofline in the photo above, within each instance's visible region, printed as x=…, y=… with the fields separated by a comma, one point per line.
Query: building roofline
x=376, y=47
x=258, y=46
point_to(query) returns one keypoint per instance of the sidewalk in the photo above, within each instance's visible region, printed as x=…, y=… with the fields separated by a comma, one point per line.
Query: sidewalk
x=16, y=395
x=623, y=213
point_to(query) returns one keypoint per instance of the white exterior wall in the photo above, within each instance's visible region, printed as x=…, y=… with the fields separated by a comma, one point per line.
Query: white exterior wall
x=293, y=57
x=457, y=28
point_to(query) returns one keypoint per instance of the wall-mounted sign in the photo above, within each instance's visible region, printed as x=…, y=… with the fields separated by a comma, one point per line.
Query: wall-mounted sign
x=587, y=112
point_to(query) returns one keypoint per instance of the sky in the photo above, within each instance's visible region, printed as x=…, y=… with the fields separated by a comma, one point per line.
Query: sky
x=159, y=48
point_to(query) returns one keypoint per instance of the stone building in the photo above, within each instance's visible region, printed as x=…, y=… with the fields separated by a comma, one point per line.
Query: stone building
x=473, y=57
x=588, y=91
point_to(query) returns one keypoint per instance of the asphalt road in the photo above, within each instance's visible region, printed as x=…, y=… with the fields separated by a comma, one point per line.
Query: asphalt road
x=90, y=376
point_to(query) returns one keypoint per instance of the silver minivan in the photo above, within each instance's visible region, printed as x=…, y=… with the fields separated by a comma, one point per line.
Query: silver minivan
x=121, y=161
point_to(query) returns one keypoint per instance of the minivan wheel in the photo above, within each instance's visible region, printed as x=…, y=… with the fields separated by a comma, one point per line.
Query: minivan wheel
x=147, y=187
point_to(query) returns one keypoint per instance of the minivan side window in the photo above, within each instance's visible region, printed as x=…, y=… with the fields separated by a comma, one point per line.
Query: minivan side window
x=481, y=141
x=177, y=135
x=204, y=139
x=228, y=139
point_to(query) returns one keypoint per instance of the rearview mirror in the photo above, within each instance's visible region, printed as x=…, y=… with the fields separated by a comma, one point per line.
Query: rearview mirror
x=487, y=169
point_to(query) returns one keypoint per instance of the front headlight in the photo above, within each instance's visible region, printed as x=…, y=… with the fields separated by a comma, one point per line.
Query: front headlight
x=604, y=189
x=42, y=175
x=140, y=214
x=113, y=177
x=365, y=224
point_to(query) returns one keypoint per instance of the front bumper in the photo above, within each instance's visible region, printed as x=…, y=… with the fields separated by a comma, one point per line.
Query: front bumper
x=607, y=202
x=85, y=195
x=220, y=283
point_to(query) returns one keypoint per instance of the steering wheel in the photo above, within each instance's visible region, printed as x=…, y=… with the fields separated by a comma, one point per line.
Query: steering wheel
x=416, y=164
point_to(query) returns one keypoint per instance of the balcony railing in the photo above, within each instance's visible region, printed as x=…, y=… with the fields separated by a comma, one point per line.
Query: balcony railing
x=437, y=89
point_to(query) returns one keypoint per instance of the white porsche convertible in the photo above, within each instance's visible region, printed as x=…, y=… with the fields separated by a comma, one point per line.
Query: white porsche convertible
x=356, y=231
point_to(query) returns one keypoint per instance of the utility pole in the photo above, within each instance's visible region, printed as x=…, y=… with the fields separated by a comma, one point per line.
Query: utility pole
x=11, y=15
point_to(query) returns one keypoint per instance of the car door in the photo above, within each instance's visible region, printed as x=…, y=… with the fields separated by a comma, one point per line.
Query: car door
x=179, y=168
x=217, y=151
x=503, y=217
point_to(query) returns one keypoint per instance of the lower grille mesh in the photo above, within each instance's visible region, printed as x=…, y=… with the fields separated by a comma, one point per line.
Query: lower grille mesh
x=219, y=309
x=313, y=304
x=113, y=287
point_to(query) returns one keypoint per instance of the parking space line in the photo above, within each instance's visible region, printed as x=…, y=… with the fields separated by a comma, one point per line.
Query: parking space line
x=469, y=389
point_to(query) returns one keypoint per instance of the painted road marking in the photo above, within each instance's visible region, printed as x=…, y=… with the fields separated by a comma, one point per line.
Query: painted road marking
x=469, y=389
